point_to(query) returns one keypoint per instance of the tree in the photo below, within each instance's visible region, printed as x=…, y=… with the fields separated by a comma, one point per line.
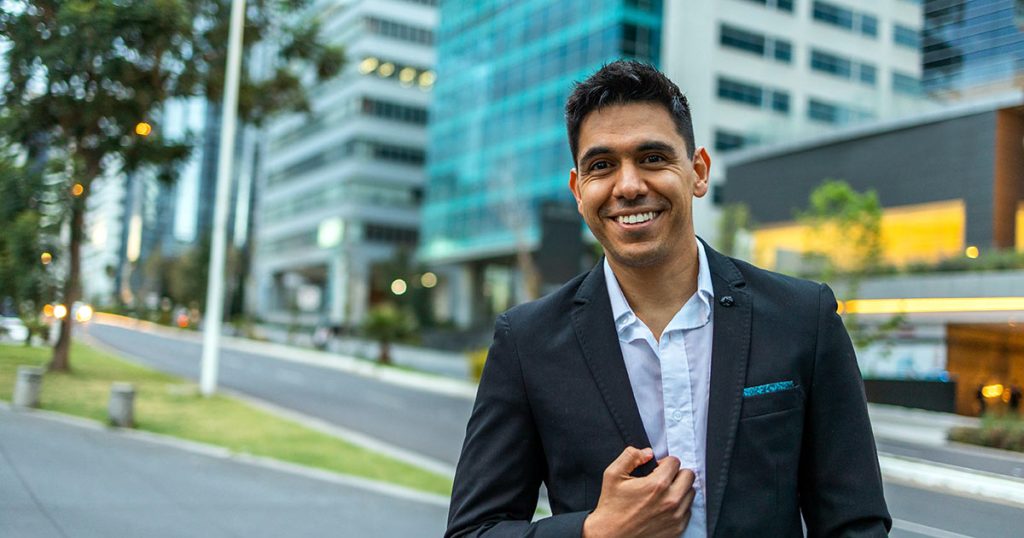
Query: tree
x=86, y=77
x=386, y=324
x=845, y=242
x=24, y=244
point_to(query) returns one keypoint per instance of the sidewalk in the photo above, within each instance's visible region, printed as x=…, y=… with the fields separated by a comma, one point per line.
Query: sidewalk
x=66, y=477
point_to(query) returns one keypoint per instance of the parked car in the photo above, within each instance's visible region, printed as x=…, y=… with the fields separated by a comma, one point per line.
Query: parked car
x=12, y=330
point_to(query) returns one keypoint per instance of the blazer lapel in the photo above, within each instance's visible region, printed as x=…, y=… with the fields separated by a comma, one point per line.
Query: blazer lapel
x=730, y=348
x=595, y=330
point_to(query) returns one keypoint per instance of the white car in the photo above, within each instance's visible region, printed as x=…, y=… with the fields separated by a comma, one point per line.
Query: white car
x=12, y=330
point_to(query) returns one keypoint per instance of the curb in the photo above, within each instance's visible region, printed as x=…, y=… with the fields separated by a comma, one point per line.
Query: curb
x=954, y=480
x=215, y=451
x=415, y=380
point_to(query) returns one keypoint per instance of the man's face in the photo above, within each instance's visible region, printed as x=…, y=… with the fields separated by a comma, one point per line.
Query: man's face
x=634, y=184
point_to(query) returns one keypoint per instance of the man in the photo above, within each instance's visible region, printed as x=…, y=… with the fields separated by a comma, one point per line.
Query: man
x=671, y=390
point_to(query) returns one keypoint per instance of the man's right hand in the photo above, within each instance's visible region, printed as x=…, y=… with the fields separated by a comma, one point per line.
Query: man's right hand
x=654, y=505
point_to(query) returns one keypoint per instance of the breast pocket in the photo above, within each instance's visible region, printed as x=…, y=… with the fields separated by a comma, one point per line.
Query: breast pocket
x=772, y=402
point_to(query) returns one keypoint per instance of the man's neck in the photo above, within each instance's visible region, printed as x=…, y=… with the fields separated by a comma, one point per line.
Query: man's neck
x=656, y=293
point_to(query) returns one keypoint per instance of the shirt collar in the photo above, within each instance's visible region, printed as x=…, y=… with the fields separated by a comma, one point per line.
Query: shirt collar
x=623, y=314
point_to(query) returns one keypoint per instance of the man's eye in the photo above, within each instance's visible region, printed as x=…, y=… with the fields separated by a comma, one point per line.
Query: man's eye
x=653, y=159
x=600, y=165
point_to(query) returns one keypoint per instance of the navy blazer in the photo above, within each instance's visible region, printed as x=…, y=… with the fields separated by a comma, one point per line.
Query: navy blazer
x=555, y=406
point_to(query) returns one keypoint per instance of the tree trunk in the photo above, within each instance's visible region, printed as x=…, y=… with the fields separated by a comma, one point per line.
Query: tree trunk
x=385, y=352
x=61, y=361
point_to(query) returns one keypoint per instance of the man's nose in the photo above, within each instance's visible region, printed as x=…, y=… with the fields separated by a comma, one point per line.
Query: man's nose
x=630, y=183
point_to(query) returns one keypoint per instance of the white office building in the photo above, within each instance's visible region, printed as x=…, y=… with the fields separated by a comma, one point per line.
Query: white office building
x=339, y=189
x=760, y=72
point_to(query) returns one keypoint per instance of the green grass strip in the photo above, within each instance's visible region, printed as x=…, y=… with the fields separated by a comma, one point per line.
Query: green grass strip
x=173, y=406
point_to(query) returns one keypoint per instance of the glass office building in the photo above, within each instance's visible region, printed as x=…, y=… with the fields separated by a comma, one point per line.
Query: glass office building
x=972, y=45
x=498, y=146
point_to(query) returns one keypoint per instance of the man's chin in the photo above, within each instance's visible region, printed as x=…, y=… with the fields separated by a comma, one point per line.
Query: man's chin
x=636, y=259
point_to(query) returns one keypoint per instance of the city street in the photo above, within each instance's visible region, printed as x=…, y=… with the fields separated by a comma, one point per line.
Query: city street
x=432, y=424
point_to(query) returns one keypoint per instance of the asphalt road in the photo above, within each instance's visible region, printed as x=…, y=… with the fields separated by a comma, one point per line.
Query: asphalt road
x=434, y=425
x=430, y=424
x=61, y=480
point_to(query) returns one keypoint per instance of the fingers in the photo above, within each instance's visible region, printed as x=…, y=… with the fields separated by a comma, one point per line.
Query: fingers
x=667, y=468
x=629, y=459
x=683, y=481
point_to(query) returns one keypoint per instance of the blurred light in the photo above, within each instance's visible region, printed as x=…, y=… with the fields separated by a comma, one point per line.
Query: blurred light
x=427, y=79
x=934, y=305
x=971, y=252
x=48, y=310
x=77, y=189
x=407, y=75
x=399, y=286
x=992, y=391
x=386, y=69
x=46, y=258
x=143, y=129
x=429, y=280
x=182, y=320
x=368, y=65
x=134, y=247
x=83, y=313
x=330, y=232
x=60, y=311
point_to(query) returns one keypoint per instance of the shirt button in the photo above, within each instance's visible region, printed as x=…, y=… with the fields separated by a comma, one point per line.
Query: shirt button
x=677, y=416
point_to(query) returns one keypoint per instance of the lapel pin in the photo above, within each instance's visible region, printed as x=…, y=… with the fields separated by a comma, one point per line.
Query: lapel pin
x=727, y=301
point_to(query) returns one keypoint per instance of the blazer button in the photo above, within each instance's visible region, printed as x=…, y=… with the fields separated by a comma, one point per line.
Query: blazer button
x=726, y=301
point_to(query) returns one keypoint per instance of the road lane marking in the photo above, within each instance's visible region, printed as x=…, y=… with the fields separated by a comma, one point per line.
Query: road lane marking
x=951, y=479
x=918, y=528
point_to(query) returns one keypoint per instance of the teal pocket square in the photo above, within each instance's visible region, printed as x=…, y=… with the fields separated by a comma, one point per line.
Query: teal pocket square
x=768, y=388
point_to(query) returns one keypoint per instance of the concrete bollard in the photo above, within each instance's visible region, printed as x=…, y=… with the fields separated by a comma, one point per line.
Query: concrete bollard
x=26, y=388
x=122, y=403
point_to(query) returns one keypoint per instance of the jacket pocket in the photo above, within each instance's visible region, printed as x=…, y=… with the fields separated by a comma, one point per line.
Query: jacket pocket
x=772, y=402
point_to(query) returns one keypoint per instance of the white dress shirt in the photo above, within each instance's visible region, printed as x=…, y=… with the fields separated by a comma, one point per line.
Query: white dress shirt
x=671, y=379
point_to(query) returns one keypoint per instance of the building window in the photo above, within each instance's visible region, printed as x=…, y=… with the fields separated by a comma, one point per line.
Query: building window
x=637, y=41
x=821, y=111
x=743, y=40
x=906, y=36
x=867, y=74
x=845, y=18
x=781, y=5
x=400, y=31
x=783, y=51
x=831, y=64
x=740, y=92
x=780, y=102
x=906, y=84
x=726, y=141
x=394, y=111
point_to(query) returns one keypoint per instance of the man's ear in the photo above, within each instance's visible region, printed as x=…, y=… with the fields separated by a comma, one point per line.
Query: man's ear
x=702, y=171
x=574, y=186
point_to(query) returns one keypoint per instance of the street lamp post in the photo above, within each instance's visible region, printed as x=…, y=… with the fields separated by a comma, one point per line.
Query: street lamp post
x=215, y=286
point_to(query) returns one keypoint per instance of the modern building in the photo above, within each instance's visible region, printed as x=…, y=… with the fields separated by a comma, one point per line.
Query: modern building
x=764, y=72
x=951, y=187
x=973, y=47
x=340, y=188
x=498, y=152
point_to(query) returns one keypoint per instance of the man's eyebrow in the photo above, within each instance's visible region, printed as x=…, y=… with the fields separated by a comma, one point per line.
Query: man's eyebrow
x=594, y=152
x=654, y=145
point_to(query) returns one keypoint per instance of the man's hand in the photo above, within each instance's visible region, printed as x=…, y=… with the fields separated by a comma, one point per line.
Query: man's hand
x=655, y=505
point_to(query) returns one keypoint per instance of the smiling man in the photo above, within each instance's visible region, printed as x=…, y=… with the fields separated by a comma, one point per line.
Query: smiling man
x=671, y=391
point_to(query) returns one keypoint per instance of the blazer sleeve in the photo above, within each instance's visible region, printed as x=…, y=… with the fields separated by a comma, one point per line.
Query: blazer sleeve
x=502, y=463
x=840, y=481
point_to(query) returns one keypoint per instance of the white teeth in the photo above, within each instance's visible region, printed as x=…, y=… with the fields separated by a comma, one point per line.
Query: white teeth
x=634, y=219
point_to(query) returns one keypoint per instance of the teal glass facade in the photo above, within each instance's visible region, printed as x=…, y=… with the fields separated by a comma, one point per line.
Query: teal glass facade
x=498, y=146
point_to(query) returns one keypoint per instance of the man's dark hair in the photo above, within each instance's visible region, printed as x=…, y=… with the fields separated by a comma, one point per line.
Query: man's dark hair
x=622, y=82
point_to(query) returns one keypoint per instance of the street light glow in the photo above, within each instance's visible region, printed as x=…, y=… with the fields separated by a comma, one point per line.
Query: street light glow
x=77, y=189
x=429, y=280
x=60, y=311
x=398, y=287
x=83, y=313
x=48, y=310
x=46, y=258
x=143, y=129
x=971, y=252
